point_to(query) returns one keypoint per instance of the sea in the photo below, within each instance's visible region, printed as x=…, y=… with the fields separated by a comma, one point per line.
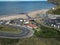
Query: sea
x=9, y=8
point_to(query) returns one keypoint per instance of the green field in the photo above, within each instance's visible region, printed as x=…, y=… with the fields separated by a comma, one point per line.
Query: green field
x=30, y=41
x=9, y=29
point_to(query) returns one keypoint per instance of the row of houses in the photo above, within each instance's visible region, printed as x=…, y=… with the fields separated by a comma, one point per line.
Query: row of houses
x=23, y=22
x=53, y=22
x=50, y=19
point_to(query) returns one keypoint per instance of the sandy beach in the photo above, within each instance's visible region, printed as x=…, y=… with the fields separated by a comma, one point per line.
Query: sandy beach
x=32, y=14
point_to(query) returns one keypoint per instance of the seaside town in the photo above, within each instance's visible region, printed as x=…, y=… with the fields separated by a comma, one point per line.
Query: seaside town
x=30, y=22
x=38, y=27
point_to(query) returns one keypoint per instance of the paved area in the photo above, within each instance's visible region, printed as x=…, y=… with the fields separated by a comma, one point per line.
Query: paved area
x=23, y=34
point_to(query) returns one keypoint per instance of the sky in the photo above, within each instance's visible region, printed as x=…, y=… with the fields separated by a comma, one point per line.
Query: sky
x=23, y=0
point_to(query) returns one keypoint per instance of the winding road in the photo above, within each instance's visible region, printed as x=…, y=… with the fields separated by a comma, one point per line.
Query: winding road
x=23, y=34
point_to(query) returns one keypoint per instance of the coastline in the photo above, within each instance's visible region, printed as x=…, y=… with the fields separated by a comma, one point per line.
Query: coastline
x=32, y=14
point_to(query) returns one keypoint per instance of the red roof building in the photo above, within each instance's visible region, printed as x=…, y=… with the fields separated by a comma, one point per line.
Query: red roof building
x=31, y=25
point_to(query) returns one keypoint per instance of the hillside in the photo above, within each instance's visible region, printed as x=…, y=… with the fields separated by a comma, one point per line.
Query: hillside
x=55, y=1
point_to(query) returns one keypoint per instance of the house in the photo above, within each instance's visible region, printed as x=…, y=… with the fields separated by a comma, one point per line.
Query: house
x=31, y=26
x=27, y=21
x=54, y=22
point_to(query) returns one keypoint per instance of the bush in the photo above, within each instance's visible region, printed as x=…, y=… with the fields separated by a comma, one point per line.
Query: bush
x=47, y=32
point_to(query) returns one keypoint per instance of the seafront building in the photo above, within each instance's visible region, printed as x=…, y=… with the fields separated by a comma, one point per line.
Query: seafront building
x=53, y=20
x=50, y=19
x=20, y=22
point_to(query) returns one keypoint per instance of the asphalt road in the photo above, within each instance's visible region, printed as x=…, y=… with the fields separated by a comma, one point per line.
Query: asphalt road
x=23, y=34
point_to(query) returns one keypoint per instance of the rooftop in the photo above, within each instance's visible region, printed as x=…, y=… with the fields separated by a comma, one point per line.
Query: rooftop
x=31, y=25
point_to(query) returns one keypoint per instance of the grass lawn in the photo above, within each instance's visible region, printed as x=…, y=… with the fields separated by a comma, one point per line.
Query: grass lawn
x=9, y=29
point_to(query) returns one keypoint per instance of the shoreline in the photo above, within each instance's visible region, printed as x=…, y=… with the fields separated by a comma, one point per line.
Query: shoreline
x=32, y=14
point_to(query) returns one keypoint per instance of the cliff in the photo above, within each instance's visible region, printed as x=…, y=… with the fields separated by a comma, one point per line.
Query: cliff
x=55, y=1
